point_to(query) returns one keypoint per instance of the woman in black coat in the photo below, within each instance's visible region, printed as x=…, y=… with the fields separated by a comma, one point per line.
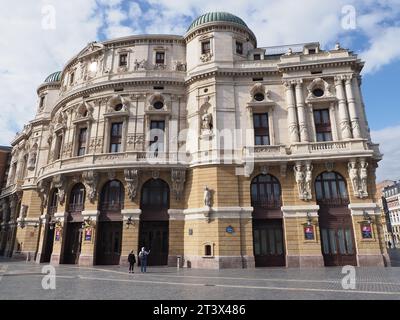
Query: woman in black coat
x=132, y=261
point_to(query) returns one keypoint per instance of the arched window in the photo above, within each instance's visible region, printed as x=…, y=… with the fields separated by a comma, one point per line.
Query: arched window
x=155, y=193
x=330, y=188
x=265, y=192
x=112, y=196
x=52, y=207
x=77, y=198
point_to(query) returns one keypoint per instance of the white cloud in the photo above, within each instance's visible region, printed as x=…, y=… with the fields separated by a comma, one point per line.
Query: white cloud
x=389, y=140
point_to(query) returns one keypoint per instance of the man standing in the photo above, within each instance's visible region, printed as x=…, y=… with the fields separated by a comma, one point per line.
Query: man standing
x=132, y=261
x=143, y=259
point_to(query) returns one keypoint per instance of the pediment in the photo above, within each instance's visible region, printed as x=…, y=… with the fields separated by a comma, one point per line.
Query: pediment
x=90, y=49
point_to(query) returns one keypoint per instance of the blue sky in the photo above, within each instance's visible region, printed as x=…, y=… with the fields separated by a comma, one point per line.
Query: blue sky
x=30, y=52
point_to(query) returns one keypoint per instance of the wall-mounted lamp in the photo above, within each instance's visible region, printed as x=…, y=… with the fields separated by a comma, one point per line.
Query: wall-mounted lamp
x=367, y=217
x=309, y=220
x=87, y=223
x=129, y=222
x=21, y=224
x=36, y=225
x=55, y=223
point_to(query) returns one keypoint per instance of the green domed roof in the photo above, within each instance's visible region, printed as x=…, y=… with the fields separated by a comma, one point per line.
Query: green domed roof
x=216, y=16
x=54, y=77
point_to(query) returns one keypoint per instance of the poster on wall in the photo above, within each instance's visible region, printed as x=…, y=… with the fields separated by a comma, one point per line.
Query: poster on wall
x=88, y=234
x=309, y=232
x=58, y=234
x=366, y=231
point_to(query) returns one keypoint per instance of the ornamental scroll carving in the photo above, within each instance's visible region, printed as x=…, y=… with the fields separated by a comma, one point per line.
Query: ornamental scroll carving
x=178, y=177
x=90, y=179
x=358, y=175
x=132, y=182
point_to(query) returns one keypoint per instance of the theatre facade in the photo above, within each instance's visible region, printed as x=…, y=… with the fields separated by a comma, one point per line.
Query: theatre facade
x=206, y=149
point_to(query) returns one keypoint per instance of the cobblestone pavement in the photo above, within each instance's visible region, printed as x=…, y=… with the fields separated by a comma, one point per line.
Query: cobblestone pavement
x=23, y=280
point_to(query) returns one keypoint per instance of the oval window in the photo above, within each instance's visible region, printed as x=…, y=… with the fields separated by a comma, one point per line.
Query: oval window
x=158, y=105
x=259, y=97
x=118, y=107
x=318, y=92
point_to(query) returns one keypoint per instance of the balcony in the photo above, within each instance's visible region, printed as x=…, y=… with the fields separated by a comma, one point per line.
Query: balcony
x=265, y=152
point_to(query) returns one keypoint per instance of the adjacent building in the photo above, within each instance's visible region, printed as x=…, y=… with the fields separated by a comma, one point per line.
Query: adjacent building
x=391, y=208
x=203, y=147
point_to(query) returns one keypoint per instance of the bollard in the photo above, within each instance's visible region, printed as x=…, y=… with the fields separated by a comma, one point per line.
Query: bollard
x=178, y=263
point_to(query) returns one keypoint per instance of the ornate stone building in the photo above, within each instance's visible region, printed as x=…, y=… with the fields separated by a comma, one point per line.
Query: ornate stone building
x=391, y=209
x=203, y=146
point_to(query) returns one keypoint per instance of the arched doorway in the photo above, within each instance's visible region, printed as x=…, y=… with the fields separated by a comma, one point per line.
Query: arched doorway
x=109, y=232
x=336, y=227
x=73, y=236
x=49, y=228
x=154, y=221
x=268, y=241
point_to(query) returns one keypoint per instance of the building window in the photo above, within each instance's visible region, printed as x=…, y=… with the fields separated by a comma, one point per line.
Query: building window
x=160, y=57
x=112, y=196
x=157, y=137
x=71, y=79
x=239, y=47
x=57, y=151
x=330, y=189
x=123, y=60
x=82, y=141
x=41, y=104
x=207, y=250
x=312, y=51
x=116, y=137
x=205, y=47
x=257, y=56
x=77, y=198
x=265, y=192
x=158, y=105
x=261, y=129
x=322, y=125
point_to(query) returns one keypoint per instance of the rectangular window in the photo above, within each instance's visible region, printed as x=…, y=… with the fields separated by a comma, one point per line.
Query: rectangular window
x=123, y=60
x=82, y=141
x=116, y=137
x=261, y=129
x=205, y=47
x=41, y=102
x=71, y=79
x=322, y=125
x=57, y=151
x=160, y=57
x=257, y=56
x=157, y=136
x=239, y=47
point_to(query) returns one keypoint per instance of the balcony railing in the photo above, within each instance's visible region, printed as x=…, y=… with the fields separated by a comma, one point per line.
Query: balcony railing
x=266, y=203
x=344, y=201
x=75, y=207
x=111, y=206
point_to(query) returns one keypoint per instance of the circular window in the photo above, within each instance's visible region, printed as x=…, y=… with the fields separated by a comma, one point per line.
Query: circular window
x=118, y=107
x=206, y=90
x=318, y=92
x=259, y=97
x=158, y=105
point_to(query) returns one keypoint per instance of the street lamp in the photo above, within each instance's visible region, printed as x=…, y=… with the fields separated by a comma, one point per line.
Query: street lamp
x=309, y=220
x=129, y=222
x=367, y=217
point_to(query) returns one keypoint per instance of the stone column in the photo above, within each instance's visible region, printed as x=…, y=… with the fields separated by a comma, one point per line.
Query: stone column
x=292, y=115
x=87, y=255
x=355, y=122
x=304, y=137
x=343, y=114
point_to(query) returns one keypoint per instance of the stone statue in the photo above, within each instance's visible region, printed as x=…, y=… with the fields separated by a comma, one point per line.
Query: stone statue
x=207, y=122
x=207, y=197
x=32, y=159
x=300, y=180
x=136, y=65
x=353, y=174
x=308, y=181
x=363, y=178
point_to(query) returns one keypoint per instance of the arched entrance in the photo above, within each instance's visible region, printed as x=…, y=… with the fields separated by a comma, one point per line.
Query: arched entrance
x=49, y=228
x=73, y=235
x=154, y=221
x=336, y=227
x=268, y=241
x=109, y=232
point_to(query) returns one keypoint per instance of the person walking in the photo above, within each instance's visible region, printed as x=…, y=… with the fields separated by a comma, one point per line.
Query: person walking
x=132, y=261
x=143, y=259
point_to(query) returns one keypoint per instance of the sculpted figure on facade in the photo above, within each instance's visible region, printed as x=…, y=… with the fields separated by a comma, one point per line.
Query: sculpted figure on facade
x=207, y=197
x=59, y=183
x=308, y=182
x=32, y=157
x=132, y=181
x=363, y=179
x=354, y=178
x=300, y=180
x=90, y=179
